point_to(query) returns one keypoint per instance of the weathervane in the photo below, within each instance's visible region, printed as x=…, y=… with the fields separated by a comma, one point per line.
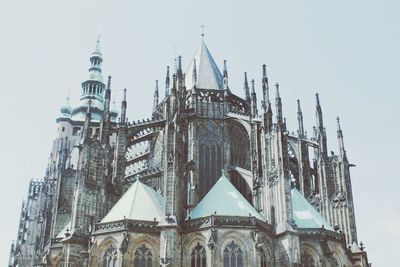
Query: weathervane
x=202, y=30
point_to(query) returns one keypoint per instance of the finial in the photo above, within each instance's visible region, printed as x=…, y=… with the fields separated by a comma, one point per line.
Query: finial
x=156, y=88
x=68, y=93
x=277, y=90
x=202, y=31
x=338, y=124
x=109, y=82
x=298, y=106
x=97, y=49
x=125, y=94
x=179, y=62
x=225, y=76
x=246, y=84
x=253, y=90
x=317, y=99
x=264, y=70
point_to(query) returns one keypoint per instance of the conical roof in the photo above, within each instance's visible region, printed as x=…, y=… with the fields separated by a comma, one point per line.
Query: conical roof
x=224, y=199
x=140, y=202
x=208, y=74
x=304, y=214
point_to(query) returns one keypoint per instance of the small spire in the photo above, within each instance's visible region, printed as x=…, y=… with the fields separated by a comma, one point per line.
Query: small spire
x=320, y=123
x=253, y=90
x=278, y=105
x=107, y=95
x=246, y=88
x=342, y=150
x=265, y=88
x=277, y=90
x=254, y=110
x=300, y=119
x=155, y=104
x=167, y=82
x=97, y=49
x=123, y=108
x=339, y=129
x=180, y=63
x=225, y=76
x=174, y=81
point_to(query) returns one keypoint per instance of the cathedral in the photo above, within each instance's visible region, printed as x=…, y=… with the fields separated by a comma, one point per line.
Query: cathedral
x=210, y=179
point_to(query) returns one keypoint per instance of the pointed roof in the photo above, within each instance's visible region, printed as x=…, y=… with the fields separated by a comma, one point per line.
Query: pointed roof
x=304, y=214
x=208, y=74
x=224, y=199
x=140, y=202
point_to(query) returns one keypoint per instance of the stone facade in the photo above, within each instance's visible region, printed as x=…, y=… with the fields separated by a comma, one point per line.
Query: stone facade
x=197, y=133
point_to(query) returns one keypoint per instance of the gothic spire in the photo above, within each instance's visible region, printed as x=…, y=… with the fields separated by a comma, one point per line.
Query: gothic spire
x=300, y=131
x=208, y=74
x=167, y=82
x=246, y=88
x=155, y=103
x=254, y=110
x=225, y=76
x=278, y=105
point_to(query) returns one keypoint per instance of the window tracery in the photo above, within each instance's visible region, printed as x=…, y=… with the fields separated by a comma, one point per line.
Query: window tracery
x=233, y=255
x=110, y=257
x=143, y=257
x=198, y=256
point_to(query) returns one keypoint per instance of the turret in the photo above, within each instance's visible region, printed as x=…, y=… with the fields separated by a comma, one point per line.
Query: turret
x=123, y=109
x=300, y=131
x=246, y=88
x=225, y=77
x=155, y=103
x=278, y=106
x=254, y=111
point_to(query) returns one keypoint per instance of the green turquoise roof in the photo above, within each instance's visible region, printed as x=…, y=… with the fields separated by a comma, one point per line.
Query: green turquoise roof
x=304, y=214
x=224, y=199
x=140, y=202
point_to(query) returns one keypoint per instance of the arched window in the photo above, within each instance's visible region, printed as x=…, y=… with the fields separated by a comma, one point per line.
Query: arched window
x=110, y=257
x=211, y=156
x=307, y=260
x=143, y=257
x=198, y=256
x=233, y=255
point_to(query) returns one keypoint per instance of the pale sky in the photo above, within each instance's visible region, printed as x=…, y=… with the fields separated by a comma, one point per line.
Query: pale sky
x=348, y=51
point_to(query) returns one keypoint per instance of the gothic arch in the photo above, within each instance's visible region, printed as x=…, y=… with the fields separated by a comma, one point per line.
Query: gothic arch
x=309, y=256
x=189, y=242
x=136, y=240
x=240, y=240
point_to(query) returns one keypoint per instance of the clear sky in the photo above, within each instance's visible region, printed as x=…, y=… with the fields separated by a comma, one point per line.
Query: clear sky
x=348, y=51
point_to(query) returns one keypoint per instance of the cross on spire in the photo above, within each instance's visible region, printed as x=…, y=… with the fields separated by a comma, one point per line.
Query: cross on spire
x=202, y=30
